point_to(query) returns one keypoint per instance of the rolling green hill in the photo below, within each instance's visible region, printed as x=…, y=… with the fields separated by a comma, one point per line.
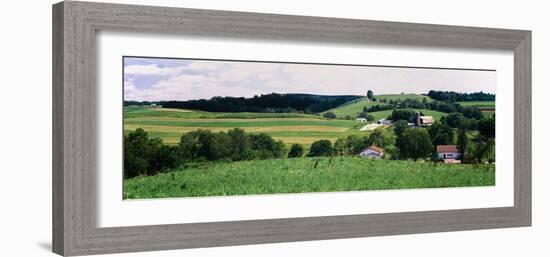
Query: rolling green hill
x=353, y=108
x=389, y=97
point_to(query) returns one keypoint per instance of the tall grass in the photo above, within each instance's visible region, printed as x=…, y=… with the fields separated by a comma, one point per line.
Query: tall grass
x=302, y=175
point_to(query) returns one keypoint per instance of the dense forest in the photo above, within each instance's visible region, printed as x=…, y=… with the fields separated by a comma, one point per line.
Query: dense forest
x=268, y=103
x=450, y=96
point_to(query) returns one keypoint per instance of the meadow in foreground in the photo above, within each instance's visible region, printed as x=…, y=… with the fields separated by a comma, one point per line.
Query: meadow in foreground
x=298, y=175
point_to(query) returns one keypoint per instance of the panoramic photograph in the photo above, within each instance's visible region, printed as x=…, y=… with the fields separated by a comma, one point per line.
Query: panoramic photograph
x=199, y=128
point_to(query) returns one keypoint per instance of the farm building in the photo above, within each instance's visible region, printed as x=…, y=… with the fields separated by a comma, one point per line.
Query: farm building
x=363, y=120
x=423, y=121
x=384, y=122
x=372, y=152
x=449, y=153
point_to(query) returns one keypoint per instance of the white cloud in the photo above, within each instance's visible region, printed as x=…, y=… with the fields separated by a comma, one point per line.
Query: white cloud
x=205, y=79
x=151, y=69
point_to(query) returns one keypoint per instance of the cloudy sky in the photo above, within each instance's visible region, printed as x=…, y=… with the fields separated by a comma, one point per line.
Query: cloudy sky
x=150, y=79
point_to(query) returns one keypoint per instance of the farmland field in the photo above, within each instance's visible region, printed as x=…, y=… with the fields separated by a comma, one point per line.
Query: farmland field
x=486, y=107
x=305, y=175
x=170, y=124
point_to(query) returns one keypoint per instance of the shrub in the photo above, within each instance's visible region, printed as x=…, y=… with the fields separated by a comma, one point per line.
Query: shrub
x=320, y=148
x=265, y=146
x=329, y=115
x=296, y=150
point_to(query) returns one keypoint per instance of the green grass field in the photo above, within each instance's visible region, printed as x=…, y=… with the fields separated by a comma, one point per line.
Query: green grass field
x=302, y=175
x=389, y=97
x=352, y=109
x=480, y=104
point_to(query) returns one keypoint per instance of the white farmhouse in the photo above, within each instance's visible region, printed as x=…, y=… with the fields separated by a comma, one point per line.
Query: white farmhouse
x=372, y=152
x=449, y=153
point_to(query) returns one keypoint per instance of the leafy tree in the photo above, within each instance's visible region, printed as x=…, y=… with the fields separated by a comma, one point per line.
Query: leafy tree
x=457, y=120
x=266, y=147
x=239, y=143
x=414, y=144
x=459, y=97
x=166, y=157
x=369, y=117
x=339, y=147
x=221, y=148
x=198, y=144
x=399, y=127
x=320, y=148
x=140, y=152
x=329, y=115
x=370, y=94
x=462, y=143
x=441, y=134
x=354, y=144
x=482, y=147
x=486, y=127
x=379, y=138
x=133, y=165
x=403, y=114
x=365, y=115
x=472, y=112
x=296, y=150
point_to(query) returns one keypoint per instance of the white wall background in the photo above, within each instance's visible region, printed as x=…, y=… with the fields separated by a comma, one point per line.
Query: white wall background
x=25, y=126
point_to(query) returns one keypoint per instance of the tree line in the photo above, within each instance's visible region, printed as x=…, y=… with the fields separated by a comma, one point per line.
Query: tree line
x=471, y=112
x=144, y=155
x=451, y=96
x=268, y=103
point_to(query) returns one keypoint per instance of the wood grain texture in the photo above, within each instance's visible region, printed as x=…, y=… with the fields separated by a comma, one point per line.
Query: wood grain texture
x=75, y=25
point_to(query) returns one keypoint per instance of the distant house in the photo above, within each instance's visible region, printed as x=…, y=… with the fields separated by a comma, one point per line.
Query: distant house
x=423, y=121
x=372, y=152
x=363, y=120
x=449, y=153
x=384, y=122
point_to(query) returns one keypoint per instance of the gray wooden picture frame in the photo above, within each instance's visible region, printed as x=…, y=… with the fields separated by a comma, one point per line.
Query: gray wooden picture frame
x=75, y=25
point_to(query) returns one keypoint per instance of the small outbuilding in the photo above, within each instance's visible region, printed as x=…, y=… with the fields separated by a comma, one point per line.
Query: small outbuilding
x=384, y=122
x=362, y=120
x=423, y=121
x=372, y=152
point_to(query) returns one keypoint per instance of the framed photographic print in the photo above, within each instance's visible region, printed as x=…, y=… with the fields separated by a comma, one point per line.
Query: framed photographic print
x=182, y=128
